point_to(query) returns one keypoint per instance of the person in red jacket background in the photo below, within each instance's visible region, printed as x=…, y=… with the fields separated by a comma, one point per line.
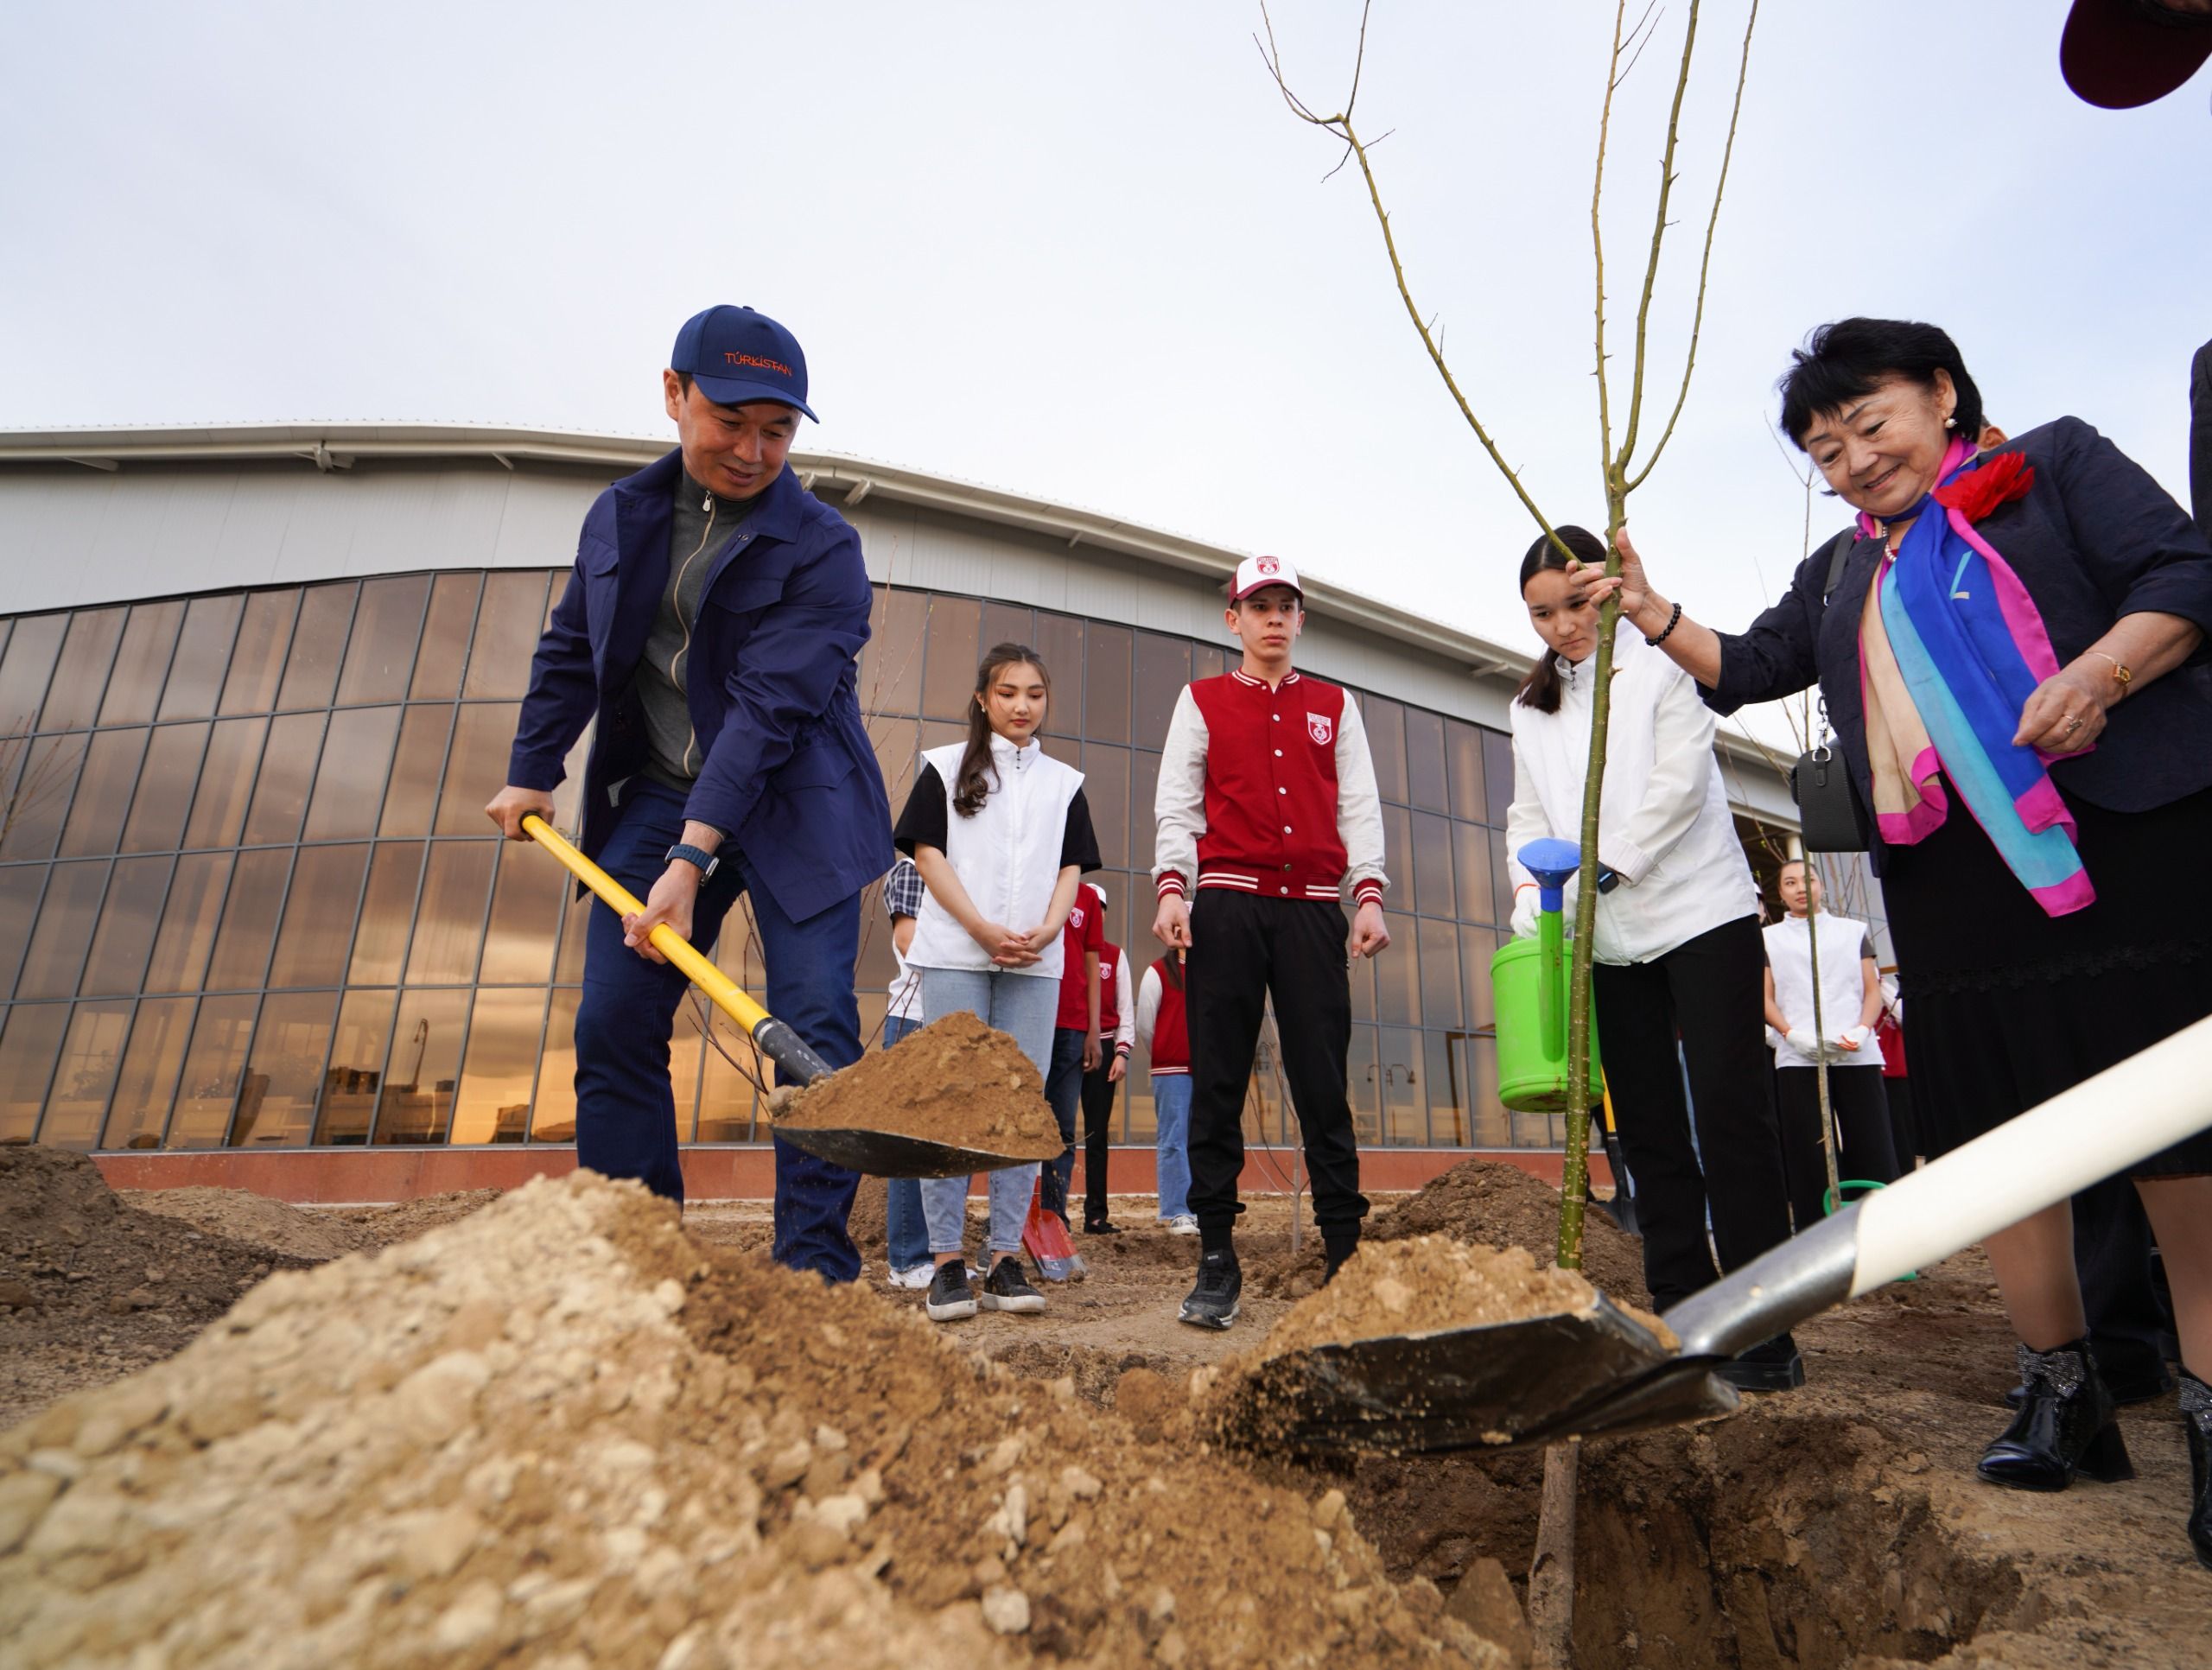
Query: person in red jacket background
x=1102, y=1085
x=1267, y=809
x=1161, y=1026
x=1076, y=1048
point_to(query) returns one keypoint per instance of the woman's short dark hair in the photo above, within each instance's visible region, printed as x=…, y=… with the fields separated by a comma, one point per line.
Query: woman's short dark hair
x=1847, y=359
x=1539, y=689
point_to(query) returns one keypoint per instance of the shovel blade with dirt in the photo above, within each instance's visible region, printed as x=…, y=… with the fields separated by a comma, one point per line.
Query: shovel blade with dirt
x=1598, y=1370
x=879, y=1153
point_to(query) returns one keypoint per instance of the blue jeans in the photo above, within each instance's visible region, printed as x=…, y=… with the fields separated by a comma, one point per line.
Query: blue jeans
x=625, y=1108
x=904, y=1225
x=1171, y=1104
x=1023, y=1007
x=1063, y=1089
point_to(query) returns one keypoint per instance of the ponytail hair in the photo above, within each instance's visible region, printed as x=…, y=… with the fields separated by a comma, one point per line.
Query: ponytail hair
x=1171, y=971
x=1539, y=689
x=978, y=776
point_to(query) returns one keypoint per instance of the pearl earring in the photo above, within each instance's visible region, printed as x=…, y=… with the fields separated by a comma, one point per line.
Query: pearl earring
x=1950, y=422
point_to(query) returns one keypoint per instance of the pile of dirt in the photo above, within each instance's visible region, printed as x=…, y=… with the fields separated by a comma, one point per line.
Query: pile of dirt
x=254, y=1219
x=957, y=1080
x=92, y=1288
x=387, y=1225
x=869, y=1222
x=560, y=1429
x=1424, y=1286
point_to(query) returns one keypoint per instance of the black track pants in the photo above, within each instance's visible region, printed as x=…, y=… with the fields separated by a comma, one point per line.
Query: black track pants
x=1866, y=1154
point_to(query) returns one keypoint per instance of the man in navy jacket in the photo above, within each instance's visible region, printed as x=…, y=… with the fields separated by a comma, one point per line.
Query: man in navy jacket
x=710, y=632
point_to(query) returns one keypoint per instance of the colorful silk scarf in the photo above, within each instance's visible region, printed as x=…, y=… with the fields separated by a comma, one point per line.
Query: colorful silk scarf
x=1950, y=648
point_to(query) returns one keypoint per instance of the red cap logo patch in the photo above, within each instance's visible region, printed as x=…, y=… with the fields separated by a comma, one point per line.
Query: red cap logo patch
x=1318, y=727
x=1268, y=565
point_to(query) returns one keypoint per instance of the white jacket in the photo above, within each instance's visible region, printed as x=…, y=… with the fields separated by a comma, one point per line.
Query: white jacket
x=1007, y=856
x=1663, y=824
x=1843, y=985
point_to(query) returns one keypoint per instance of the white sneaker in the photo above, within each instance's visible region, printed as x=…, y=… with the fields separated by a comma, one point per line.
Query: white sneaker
x=1184, y=1225
x=915, y=1276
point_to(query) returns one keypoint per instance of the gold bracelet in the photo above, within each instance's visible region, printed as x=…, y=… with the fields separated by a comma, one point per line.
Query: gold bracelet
x=2120, y=674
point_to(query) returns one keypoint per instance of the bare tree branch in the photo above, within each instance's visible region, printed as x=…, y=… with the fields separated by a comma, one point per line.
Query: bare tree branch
x=1658, y=236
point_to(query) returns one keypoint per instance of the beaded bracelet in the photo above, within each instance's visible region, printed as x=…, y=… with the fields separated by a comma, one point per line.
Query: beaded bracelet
x=1672, y=621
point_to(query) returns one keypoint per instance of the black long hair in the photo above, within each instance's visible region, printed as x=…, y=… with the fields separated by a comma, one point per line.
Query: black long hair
x=978, y=777
x=1539, y=689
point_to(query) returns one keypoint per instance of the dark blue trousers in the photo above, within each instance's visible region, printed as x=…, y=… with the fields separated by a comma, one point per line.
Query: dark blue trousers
x=625, y=1108
x=1064, y=1093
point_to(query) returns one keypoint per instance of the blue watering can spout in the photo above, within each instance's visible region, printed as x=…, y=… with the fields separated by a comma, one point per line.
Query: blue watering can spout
x=1551, y=861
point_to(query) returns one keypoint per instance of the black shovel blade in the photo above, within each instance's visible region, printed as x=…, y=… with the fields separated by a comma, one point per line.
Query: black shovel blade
x=1681, y=1389
x=1505, y=1383
x=884, y=1154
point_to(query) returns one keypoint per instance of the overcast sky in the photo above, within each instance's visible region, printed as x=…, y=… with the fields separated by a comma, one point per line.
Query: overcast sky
x=1084, y=252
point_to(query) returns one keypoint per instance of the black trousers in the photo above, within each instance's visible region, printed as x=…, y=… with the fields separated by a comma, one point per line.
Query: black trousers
x=1243, y=949
x=1100, y=1095
x=1904, y=1129
x=1867, y=1151
x=1710, y=991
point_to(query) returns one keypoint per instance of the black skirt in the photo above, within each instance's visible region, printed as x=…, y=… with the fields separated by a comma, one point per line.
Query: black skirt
x=2007, y=1006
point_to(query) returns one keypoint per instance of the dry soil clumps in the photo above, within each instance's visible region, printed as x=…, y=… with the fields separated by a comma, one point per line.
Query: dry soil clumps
x=956, y=1082
x=561, y=1431
x=254, y=1219
x=1424, y=1286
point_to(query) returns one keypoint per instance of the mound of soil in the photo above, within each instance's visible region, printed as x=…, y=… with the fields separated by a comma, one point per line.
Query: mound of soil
x=957, y=1080
x=1423, y=1286
x=254, y=1219
x=387, y=1225
x=560, y=1430
x=92, y=1288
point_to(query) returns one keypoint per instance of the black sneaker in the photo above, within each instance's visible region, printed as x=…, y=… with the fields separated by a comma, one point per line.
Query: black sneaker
x=1099, y=1226
x=1771, y=1366
x=1212, y=1303
x=1006, y=1289
x=951, y=1298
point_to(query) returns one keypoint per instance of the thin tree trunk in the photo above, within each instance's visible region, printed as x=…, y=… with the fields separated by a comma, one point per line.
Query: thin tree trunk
x=1551, y=1574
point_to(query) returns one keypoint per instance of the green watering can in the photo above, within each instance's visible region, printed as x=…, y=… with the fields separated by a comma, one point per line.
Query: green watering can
x=1529, y=978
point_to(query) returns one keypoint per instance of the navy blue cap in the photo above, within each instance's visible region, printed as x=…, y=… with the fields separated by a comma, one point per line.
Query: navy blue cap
x=736, y=355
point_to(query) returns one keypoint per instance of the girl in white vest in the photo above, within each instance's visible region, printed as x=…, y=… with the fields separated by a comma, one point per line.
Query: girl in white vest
x=1676, y=957
x=1851, y=1002
x=1001, y=833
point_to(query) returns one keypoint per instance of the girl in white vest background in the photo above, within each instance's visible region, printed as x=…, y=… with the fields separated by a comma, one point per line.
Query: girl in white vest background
x=1851, y=1002
x=1677, y=954
x=1001, y=833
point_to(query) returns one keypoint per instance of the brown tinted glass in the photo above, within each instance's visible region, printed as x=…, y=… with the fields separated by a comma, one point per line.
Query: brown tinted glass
x=188, y=933
x=225, y=782
x=1364, y=1086
x=477, y=766
x=215, y=1070
x=874, y=968
x=1500, y=879
x=1106, y=683
x=147, y=1084
x=1445, y=1060
x=1398, y=853
x=283, y=1076
x=25, y=670
x=20, y=887
x=164, y=795
x=1477, y=947
x=128, y=920
x=1386, y=740
x=898, y=741
x=506, y=633
x=525, y=917
x=1060, y=640
x=948, y=671
x=387, y=913
x=569, y=795
x=416, y=1101
x=318, y=927
x=1361, y=975
x=1144, y=828
x=249, y=920
x=725, y=1095
x=493, y=1103
x=1397, y=976
x=553, y=1114
x=1106, y=788
x=1471, y=844
x=685, y=1051
x=411, y=800
x=1007, y=623
x=76, y=1106
x=449, y=921
x=35, y=799
x=81, y=676
x=30, y=1037
x=65, y=929
x=354, y=1079
x=445, y=637
x=104, y=786
x=203, y=656
x=1490, y=1126
x=1163, y=669
x=142, y=664
x=257, y=657
x=1440, y=973
x=288, y=769
x=891, y=665
x=559, y=590
x=1431, y=887
x=939, y=732
x=318, y=646
x=1463, y=743
x=387, y=623
x=1497, y=776
x=1425, y=775
x=1405, y=1105
x=349, y=783
x=575, y=914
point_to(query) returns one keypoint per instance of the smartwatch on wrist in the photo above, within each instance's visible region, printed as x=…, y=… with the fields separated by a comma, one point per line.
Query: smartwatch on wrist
x=698, y=857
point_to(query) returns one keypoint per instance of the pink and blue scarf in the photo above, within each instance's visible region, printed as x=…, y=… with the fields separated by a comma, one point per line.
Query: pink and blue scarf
x=1951, y=646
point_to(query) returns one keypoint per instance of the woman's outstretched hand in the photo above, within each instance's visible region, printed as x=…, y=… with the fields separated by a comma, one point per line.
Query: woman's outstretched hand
x=1596, y=584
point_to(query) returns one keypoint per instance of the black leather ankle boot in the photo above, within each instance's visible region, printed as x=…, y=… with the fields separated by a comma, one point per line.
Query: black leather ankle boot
x=2065, y=1424
x=2196, y=1416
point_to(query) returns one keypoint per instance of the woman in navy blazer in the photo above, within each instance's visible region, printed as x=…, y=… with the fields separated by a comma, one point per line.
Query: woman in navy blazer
x=2019, y=990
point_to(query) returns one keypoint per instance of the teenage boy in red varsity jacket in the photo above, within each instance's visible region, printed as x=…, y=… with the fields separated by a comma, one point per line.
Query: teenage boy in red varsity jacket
x=1076, y=1046
x=1267, y=809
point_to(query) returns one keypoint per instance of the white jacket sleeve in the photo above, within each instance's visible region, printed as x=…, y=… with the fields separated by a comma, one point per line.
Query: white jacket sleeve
x=1147, y=1014
x=1359, y=808
x=1524, y=821
x=1682, y=769
x=1125, y=1027
x=1179, y=804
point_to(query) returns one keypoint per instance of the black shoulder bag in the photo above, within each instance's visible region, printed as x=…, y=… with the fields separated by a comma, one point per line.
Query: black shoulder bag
x=1829, y=809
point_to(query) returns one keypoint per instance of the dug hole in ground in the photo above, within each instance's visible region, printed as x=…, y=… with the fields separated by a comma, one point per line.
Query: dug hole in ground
x=562, y=1428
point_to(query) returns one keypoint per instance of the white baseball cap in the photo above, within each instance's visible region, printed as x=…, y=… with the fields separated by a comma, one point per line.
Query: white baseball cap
x=1256, y=573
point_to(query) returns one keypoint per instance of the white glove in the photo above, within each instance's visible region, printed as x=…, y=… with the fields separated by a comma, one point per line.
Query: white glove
x=1526, y=907
x=1806, y=1042
x=1852, y=1037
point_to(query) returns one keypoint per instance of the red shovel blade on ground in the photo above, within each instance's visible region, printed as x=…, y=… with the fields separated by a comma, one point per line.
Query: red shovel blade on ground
x=1045, y=1239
